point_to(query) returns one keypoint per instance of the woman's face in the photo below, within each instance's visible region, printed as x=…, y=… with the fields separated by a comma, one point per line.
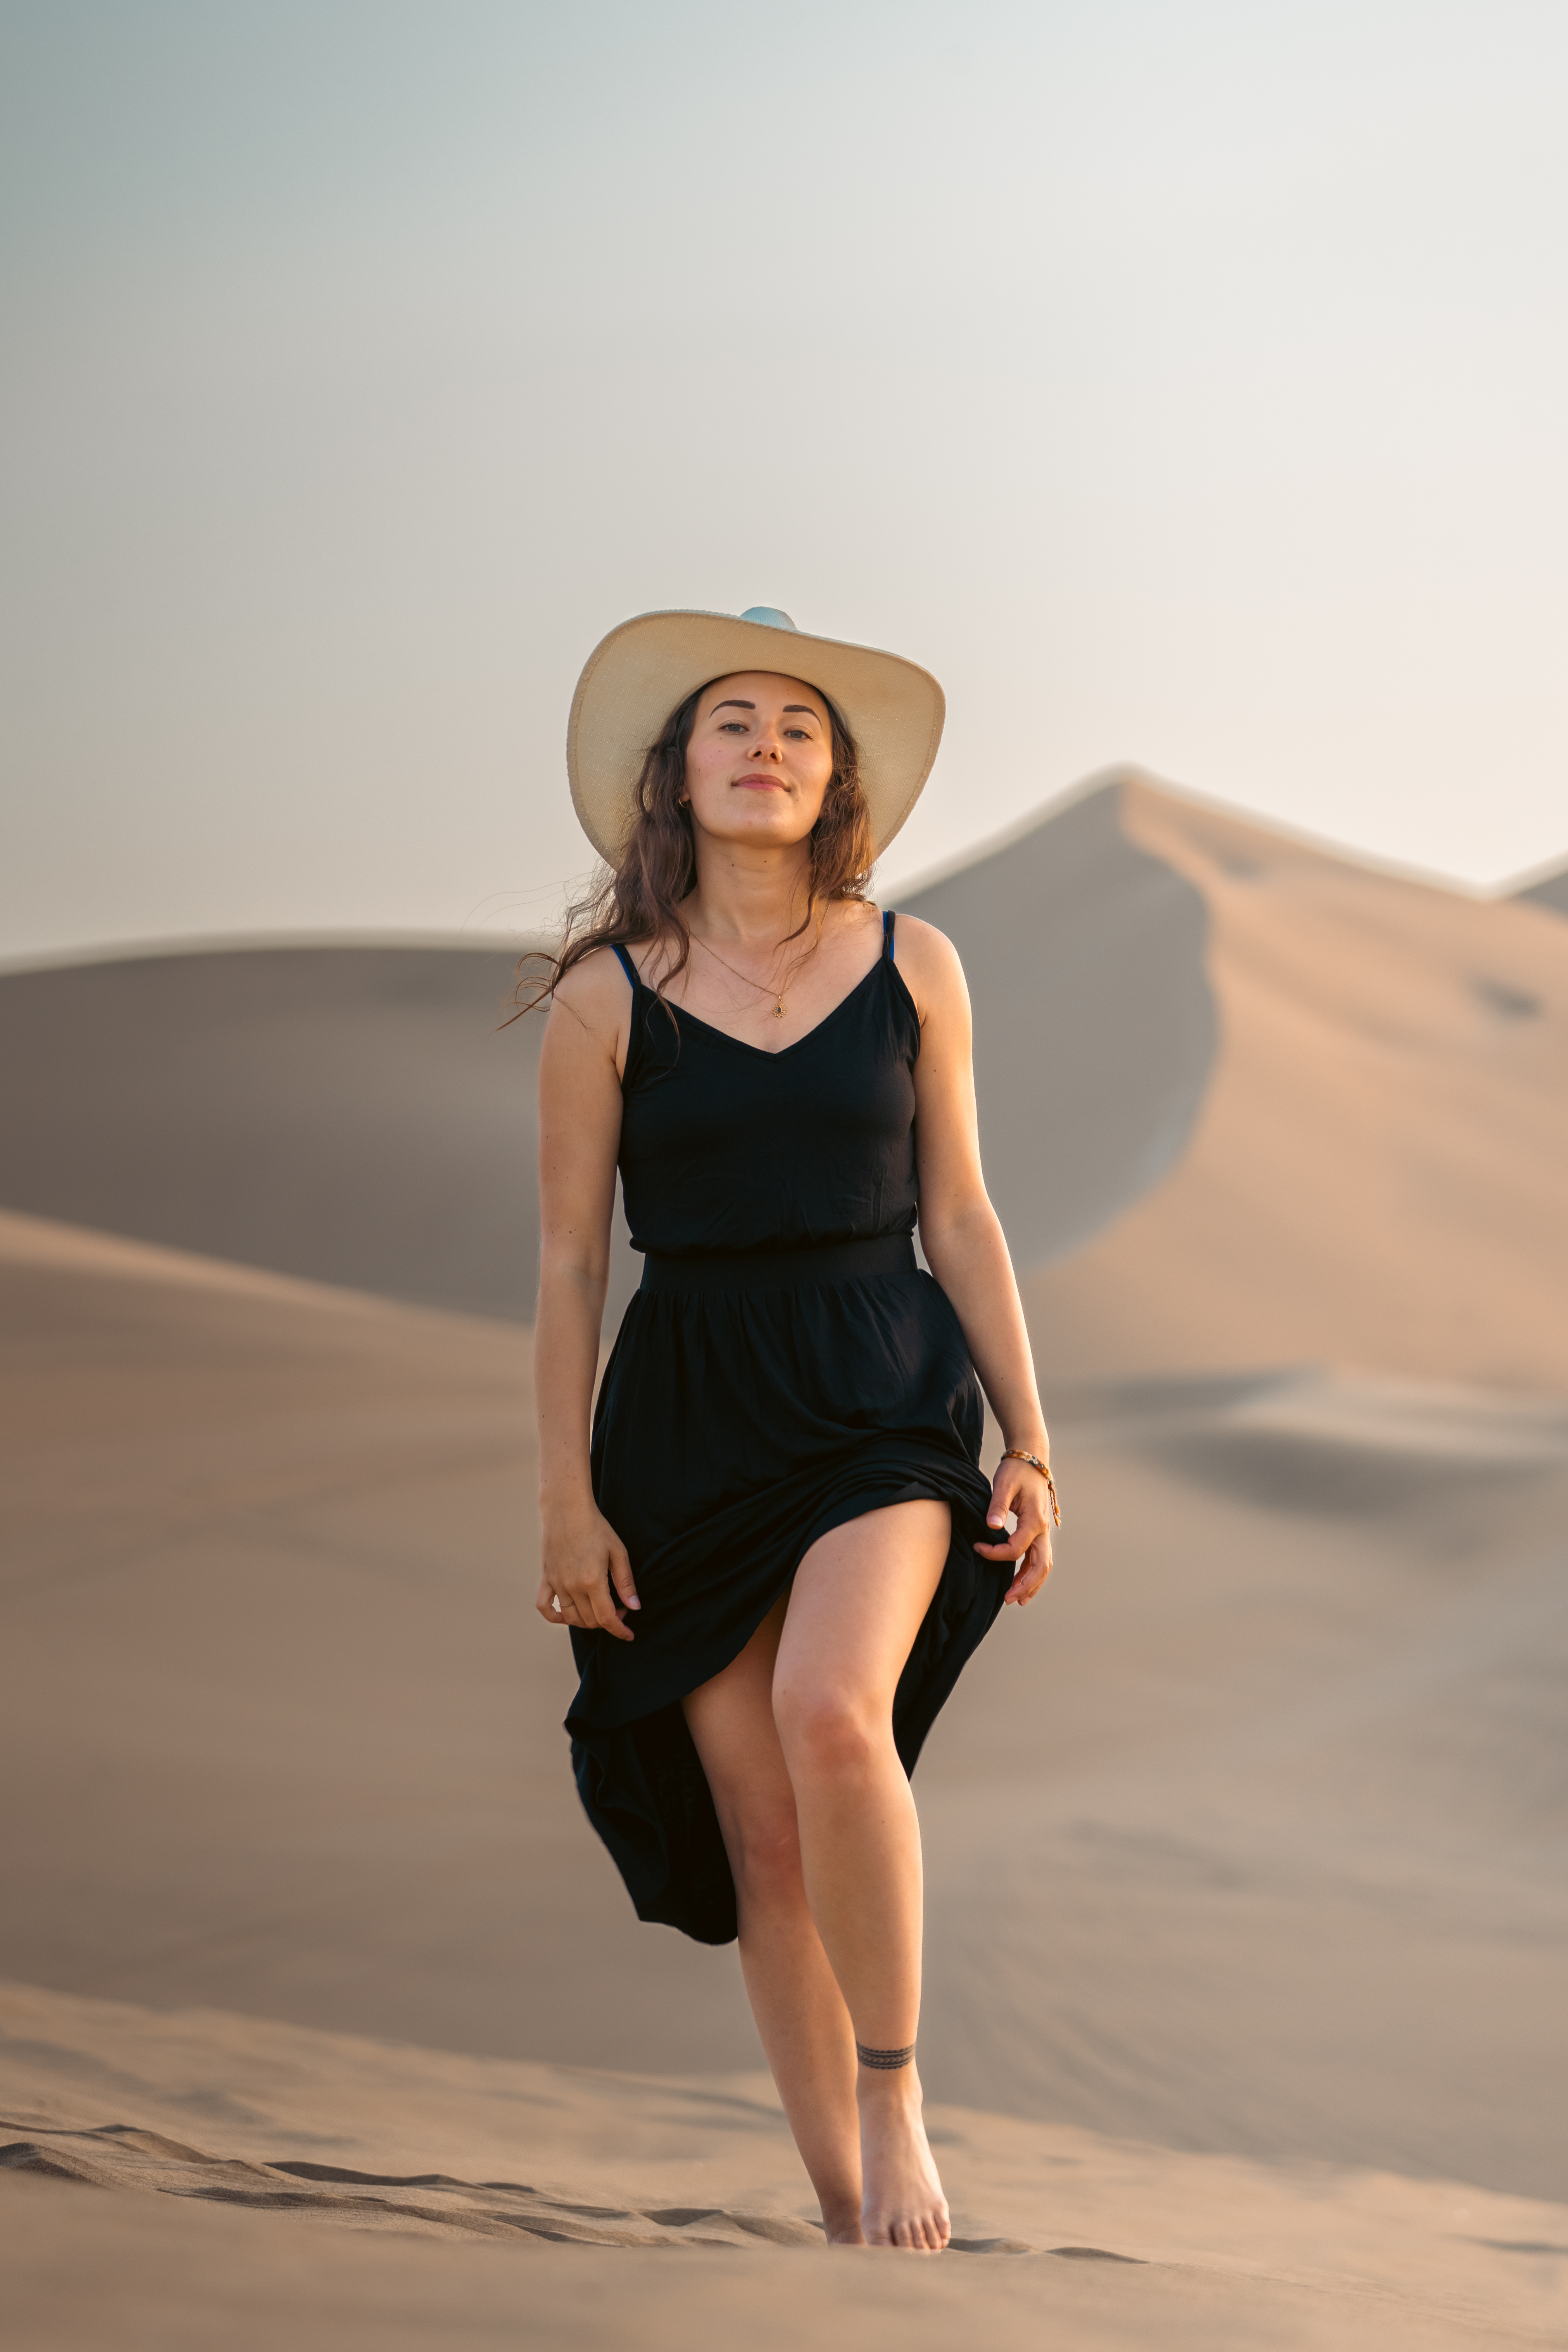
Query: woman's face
x=760, y=758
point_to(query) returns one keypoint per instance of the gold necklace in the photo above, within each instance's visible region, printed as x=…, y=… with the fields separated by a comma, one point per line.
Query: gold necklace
x=779, y=1008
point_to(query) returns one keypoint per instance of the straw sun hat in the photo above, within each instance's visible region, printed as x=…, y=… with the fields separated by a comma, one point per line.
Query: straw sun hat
x=646, y=669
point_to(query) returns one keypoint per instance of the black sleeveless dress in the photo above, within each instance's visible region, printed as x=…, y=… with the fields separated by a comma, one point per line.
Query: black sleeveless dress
x=783, y=1368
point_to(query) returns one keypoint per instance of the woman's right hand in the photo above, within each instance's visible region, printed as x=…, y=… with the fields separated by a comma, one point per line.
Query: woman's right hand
x=587, y=1575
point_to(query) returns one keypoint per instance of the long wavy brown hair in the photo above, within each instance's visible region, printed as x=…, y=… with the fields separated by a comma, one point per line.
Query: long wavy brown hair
x=639, y=898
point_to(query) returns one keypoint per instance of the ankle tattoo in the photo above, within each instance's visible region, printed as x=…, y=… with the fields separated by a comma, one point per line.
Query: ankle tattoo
x=886, y=2060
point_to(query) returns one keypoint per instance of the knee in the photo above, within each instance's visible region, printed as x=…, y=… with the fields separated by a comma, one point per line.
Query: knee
x=828, y=1732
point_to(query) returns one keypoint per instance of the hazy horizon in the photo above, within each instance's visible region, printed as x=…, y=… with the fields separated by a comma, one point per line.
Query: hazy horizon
x=1180, y=382
x=499, y=934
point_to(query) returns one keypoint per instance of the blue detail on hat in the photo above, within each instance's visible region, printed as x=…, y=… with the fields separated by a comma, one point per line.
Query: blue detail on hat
x=769, y=615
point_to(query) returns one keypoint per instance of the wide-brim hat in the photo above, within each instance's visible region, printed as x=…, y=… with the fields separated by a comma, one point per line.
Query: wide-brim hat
x=644, y=670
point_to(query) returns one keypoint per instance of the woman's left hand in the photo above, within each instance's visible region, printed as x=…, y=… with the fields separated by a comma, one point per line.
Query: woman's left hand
x=1019, y=1487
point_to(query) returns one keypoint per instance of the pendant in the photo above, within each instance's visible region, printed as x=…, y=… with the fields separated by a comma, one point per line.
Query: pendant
x=778, y=1010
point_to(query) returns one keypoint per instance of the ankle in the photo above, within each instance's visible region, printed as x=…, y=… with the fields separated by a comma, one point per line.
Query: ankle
x=887, y=2091
x=875, y=2058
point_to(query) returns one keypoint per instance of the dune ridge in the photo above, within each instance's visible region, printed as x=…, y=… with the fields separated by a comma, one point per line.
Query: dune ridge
x=1243, y=1102
x=1374, y=1177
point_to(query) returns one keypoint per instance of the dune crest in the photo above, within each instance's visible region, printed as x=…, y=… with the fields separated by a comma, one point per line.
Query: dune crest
x=1243, y=1101
x=1375, y=1174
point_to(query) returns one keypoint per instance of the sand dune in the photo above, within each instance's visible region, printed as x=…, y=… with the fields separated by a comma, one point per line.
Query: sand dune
x=1095, y=1030
x=264, y=2156
x=1244, y=2010
x=346, y=1113
x=1246, y=1840
x=1375, y=1175
x=352, y=1113
x=1243, y=1102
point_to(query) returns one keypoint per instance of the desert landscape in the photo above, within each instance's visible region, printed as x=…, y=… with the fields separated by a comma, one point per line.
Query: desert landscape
x=1244, y=1849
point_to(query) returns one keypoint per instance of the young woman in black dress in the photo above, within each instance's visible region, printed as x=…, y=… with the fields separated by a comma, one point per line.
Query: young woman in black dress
x=776, y=1548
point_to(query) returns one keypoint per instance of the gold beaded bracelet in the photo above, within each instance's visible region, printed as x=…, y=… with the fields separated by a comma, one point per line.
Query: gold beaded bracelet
x=1017, y=1454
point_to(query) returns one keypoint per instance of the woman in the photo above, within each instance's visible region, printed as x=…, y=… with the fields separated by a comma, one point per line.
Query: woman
x=777, y=1549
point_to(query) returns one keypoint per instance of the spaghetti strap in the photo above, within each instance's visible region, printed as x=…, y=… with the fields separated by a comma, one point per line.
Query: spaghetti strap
x=887, y=921
x=627, y=966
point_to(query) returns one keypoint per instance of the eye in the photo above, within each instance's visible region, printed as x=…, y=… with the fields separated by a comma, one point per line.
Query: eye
x=732, y=727
x=803, y=733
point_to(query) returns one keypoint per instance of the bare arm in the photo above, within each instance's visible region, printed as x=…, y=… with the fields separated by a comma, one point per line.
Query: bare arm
x=965, y=1248
x=586, y=1563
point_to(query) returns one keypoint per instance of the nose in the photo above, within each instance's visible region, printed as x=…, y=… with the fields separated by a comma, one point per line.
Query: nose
x=768, y=745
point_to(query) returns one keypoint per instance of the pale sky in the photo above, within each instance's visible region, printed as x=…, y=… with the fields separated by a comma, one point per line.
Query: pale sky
x=1183, y=380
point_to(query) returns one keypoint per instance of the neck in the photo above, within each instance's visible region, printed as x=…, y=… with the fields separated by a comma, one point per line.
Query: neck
x=750, y=897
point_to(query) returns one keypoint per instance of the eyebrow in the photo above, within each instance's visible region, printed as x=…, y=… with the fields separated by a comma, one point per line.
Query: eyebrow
x=734, y=702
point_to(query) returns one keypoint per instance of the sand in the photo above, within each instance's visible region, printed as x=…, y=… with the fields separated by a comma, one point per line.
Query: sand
x=325, y=2020
x=346, y=1113
x=1244, y=1102
x=1095, y=1023
x=540, y=2193
x=1375, y=1176
x=1244, y=1852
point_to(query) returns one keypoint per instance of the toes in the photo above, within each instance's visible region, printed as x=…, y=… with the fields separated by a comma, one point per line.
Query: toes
x=927, y=2234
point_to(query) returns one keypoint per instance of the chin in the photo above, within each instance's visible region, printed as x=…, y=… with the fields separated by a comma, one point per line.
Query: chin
x=778, y=834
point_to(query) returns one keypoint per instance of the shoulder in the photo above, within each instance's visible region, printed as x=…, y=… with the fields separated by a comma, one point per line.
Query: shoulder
x=595, y=995
x=930, y=966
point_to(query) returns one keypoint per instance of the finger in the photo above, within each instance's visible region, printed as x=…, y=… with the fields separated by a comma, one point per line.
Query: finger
x=1023, y=1499
x=1032, y=1572
x=1022, y=1587
x=1003, y=1499
x=621, y=1576
x=1014, y=1545
x=1008, y=1547
x=601, y=1610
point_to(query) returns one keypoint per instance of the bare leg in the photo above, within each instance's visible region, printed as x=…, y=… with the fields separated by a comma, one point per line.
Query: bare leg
x=857, y=1604
x=804, y=2024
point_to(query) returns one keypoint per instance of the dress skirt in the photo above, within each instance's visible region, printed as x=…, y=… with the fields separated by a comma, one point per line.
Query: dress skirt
x=749, y=1406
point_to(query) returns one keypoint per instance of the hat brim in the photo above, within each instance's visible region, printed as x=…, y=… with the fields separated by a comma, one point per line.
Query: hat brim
x=647, y=667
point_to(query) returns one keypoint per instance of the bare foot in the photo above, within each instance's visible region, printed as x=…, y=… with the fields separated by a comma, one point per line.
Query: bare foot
x=903, y=2204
